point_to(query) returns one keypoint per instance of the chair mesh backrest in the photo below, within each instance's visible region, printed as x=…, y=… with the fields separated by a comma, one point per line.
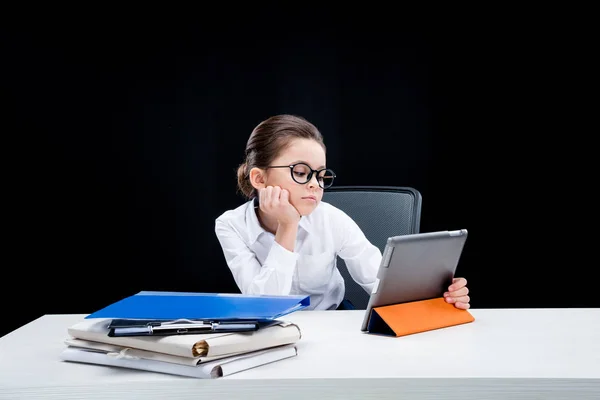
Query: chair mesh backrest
x=380, y=212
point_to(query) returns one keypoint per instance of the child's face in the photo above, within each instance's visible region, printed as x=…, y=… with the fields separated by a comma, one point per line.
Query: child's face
x=305, y=197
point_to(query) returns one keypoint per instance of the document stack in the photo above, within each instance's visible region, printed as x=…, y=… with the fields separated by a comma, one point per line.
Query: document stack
x=198, y=335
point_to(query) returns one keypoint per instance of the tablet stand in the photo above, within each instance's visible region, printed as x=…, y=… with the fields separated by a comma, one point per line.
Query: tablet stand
x=415, y=317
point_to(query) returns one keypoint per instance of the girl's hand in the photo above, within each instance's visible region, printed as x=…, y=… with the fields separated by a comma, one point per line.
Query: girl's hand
x=275, y=201
x=458, y=294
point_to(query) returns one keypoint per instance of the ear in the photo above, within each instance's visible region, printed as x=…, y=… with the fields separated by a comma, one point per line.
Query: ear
x=258, y=178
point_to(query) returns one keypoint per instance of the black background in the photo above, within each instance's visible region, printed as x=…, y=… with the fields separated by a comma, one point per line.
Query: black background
x=122, y=138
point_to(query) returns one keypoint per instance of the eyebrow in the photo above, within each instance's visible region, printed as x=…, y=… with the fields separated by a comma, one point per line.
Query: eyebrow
x=304, y=162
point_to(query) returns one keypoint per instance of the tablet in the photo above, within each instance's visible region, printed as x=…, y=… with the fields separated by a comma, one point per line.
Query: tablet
x=416, y=267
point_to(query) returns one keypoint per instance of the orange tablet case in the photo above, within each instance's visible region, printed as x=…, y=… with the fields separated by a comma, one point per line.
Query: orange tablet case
x=415, y=317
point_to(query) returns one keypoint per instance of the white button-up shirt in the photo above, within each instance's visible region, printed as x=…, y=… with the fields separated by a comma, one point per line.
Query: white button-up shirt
x=260, y=265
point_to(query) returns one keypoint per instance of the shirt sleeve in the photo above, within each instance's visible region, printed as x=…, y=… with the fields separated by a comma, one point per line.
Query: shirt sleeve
x=274, y=277
x=361, y=257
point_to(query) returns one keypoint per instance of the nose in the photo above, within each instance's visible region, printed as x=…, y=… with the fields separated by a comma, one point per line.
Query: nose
x=313, y=182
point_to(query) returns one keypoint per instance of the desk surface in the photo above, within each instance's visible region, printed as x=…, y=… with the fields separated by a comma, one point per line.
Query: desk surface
x=504, y=350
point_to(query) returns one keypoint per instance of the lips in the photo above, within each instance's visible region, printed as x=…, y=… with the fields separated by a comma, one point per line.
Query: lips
x=310, y=198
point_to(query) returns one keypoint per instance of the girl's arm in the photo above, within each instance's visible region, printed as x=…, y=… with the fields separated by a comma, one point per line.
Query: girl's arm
x=274, y=277
x=361, y=257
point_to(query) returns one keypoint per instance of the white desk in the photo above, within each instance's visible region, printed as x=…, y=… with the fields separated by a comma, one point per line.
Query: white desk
x=520, y=353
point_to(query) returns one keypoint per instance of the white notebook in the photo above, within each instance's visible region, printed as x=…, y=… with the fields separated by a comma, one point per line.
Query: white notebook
x=192, y=346
x=209, y=370
x=113, y=349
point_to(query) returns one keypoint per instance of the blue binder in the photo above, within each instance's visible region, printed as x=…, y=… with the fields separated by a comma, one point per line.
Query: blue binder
x=213, y=306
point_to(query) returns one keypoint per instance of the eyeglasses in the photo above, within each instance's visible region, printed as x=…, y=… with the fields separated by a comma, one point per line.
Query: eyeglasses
x=302, y=174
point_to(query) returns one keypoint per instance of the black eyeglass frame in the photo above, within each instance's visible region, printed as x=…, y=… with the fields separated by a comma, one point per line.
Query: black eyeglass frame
x=310, y=174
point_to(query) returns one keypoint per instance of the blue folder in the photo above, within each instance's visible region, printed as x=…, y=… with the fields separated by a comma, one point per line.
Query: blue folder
x=213, y=306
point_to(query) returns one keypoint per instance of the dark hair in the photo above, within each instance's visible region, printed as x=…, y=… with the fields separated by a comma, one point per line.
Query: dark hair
x=267, y=140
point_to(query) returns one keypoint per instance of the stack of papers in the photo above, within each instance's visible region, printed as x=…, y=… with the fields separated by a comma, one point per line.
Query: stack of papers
x=205, y=355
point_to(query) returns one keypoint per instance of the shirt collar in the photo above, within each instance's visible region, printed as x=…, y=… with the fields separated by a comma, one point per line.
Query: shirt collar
x=305, y=223
x=255, y=230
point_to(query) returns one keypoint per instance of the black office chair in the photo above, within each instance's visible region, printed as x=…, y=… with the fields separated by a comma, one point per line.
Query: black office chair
x=380, y=212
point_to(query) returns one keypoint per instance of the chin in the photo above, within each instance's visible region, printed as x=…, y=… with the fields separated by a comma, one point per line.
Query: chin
x=305, y=210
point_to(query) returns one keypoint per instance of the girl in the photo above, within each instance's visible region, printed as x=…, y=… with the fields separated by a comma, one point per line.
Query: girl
x=284, y=240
